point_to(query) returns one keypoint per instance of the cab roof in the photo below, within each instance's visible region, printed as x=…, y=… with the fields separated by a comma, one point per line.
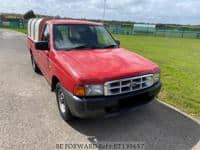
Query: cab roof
x=68, y=21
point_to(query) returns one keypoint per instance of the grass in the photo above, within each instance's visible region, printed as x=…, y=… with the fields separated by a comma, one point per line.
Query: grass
x=179, y=60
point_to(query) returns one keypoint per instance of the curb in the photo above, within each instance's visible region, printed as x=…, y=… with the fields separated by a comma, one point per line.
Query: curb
x=179, y=111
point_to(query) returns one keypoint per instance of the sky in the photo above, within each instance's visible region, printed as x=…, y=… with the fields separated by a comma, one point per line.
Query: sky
x=149, y=11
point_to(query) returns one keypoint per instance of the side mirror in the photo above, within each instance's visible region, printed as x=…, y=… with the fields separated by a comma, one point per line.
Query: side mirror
x=42, y=45
x=118, y=42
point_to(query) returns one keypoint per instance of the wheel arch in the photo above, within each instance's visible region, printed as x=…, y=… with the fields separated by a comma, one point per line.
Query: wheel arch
x=54, y=81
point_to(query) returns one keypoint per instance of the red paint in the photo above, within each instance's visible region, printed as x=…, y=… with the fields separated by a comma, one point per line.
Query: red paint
x=88, y=66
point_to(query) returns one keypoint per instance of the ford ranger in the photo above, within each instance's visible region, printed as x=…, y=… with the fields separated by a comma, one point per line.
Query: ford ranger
x=89, y=72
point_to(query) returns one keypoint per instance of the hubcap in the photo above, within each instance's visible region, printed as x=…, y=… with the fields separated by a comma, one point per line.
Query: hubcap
x=61, y=101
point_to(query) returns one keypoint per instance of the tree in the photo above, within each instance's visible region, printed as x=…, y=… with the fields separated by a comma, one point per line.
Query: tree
x=29, y=14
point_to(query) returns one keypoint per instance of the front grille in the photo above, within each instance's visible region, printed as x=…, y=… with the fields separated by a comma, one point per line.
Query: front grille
x=126, y=85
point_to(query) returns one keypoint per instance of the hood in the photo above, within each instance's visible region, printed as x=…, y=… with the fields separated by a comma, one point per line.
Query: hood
x=95, y=66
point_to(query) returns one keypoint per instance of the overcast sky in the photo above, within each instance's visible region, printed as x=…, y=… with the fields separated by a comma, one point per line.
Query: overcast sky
x=151, y=11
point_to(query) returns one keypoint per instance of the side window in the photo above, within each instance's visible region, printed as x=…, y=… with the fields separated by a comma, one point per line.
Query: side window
x=45, y=35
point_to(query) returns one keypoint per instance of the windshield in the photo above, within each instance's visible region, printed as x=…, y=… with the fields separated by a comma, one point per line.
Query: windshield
x=67, y=37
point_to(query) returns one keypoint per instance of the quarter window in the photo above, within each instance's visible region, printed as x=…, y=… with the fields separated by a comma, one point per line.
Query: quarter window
x=45, y=35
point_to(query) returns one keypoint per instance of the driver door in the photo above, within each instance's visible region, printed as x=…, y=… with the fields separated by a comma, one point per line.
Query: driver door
x=44, y=55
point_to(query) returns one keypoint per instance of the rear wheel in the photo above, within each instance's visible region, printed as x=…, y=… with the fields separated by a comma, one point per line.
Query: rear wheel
x=34, y=66
x=62, y=103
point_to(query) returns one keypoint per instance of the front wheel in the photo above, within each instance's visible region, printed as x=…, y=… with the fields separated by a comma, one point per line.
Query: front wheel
x=62, y=103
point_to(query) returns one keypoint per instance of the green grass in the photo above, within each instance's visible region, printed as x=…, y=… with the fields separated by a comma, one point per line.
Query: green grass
x=23, y=30
x=179, y=60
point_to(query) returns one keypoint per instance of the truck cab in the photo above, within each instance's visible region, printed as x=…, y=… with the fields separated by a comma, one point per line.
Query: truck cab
x=88, y=70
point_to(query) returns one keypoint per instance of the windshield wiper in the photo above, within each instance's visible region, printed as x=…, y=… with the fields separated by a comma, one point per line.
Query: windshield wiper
x=111, y=46
x=77, y=47
x=80, y=47
x=85, y=47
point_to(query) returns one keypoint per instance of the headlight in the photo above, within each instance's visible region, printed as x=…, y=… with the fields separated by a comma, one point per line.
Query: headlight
x=149, y=81
x=94, y=90
x=156, y=77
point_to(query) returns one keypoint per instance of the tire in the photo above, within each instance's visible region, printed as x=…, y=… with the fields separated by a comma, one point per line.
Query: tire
x=36, y=69
x=62, y=103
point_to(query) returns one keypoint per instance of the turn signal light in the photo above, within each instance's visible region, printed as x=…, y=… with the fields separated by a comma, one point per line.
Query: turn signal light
x=79, y=91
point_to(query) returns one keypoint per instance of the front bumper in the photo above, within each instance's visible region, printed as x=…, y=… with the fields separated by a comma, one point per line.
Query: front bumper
x=87, y=107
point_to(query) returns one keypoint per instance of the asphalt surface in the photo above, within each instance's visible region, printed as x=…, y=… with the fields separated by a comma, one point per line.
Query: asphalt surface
x=29, y=118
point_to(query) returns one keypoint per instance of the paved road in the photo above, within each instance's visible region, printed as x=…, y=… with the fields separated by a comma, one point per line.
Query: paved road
x=29, y=117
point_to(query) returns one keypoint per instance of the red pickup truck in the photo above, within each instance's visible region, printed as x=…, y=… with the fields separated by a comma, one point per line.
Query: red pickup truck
x=89, y=72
